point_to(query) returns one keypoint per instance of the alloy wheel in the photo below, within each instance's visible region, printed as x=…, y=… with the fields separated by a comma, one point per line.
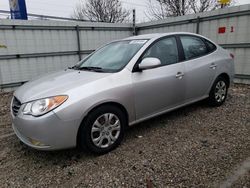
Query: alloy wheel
x=220, y=91
x=105, y=130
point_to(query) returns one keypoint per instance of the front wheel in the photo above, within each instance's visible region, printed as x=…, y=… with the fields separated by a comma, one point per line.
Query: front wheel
x=218, y=93
x=102, y=130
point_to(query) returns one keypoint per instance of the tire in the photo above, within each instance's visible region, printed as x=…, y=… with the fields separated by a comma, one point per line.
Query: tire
x=218, y=93
x=102, y=130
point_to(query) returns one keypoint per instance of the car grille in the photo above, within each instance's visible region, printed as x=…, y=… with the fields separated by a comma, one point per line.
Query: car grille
x=16, y=104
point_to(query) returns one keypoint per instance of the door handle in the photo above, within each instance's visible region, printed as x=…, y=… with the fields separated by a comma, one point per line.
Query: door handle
x=179, y=75
x=213, y=66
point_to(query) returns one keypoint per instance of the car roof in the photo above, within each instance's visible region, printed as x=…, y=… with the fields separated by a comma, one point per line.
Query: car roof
x=156, y=35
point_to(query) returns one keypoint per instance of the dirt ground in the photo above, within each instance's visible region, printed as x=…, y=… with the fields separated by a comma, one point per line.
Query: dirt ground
x=196, y=146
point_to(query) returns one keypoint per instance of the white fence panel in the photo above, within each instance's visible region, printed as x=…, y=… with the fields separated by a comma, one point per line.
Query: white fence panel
x=236, y=38
x=32, y=48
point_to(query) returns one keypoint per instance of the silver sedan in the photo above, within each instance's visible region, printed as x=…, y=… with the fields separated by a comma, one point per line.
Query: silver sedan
x=122, y=83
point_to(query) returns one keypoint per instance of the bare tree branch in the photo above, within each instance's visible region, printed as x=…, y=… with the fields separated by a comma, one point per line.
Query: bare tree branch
x=101, y=11
x=203, y=5
x=160, y=9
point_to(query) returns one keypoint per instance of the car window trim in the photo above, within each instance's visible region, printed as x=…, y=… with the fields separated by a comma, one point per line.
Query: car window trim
x=203, y=40
x=135, y=68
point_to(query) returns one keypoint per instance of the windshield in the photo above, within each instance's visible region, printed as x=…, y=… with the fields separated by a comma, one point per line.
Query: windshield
x=112, y=57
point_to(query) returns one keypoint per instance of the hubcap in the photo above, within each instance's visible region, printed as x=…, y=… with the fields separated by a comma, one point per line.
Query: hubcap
x=220, y=91
x=105, y=130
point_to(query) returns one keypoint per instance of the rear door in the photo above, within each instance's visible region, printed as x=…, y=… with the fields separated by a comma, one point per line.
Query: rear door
x=162, y=88
x=200, y=67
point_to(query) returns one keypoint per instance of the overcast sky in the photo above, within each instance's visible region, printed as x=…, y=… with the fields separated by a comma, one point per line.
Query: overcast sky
x=64, y=8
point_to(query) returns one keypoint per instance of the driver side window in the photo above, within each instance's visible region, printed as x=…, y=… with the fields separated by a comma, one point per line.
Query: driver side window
x=165, y=50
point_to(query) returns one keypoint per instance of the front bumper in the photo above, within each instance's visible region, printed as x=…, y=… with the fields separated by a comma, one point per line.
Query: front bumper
x=47, y=132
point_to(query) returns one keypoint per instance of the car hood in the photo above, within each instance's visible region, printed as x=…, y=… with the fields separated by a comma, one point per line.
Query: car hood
x=57, y=83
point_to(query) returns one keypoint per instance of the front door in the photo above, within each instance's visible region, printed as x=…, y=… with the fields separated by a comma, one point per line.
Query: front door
x=159, y=89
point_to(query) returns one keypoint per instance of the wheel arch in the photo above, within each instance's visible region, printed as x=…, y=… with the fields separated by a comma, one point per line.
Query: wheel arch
x=226, y=77
x=116, y=104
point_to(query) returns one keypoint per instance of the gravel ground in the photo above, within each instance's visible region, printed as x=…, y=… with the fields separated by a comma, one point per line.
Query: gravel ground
x=196, y=146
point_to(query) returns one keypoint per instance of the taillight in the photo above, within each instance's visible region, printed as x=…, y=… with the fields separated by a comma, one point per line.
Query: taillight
x=232, y=55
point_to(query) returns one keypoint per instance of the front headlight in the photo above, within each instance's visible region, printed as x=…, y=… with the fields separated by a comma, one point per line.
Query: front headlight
x=43, y=106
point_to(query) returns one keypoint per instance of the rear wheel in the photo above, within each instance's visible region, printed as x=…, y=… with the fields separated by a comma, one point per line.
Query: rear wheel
x=102, y=130
x=218, y=93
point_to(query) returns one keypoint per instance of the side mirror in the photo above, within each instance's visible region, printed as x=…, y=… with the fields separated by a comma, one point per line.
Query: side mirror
x=149, y=63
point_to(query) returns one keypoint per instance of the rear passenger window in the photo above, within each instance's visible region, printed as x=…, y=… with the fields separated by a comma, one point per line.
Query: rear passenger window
x=193, y=47
x=211, y=47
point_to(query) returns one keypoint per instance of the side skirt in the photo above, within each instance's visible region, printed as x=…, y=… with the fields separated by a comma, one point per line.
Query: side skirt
x=165, y=111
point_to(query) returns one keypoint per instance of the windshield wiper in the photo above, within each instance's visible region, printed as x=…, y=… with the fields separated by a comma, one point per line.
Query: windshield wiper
x=97, y=69
x=74, y=67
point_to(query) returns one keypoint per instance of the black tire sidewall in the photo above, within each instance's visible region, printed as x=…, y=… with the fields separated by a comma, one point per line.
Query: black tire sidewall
x=212, y=99
x=86, y=126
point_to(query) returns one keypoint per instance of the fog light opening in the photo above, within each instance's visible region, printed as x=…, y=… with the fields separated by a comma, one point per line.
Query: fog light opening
x=36, y=142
